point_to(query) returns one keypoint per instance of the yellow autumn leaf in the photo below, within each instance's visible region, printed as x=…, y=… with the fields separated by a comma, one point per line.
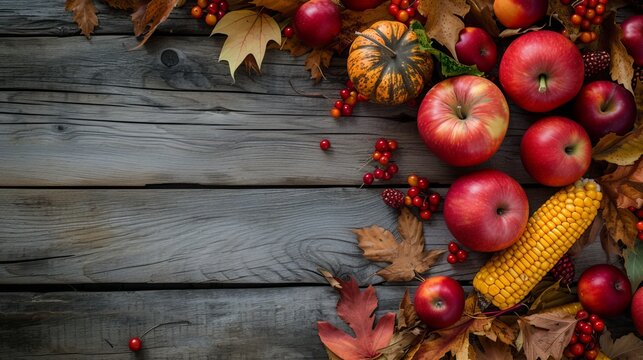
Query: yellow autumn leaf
x=620, y=150
x=249, y=32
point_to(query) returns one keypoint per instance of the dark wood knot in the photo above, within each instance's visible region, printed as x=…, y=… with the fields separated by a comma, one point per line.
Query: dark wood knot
x=169, y=57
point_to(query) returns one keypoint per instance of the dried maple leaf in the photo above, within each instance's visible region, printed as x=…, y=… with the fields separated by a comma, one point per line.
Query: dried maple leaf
x=283, y=6
x=248, y=34
x=628, y=347
x=493, y=350
x=357, y=309
x=634, y=264
x=84, y=15
x=407, y=334
x=353, y=21
x=124, y=4
x=294, y=47
x=406, y=315
x=444, y=20
x=317, y=61
x=148, y=17
x=620, y=150
x=546, y=334
x=406, y=257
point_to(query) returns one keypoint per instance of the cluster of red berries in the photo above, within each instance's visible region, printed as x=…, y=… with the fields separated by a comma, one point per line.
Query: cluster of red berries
x=564, y=270
x=383, y=155
x=639, y=225
x=214, y=10
x=584, y=342
x=349, y=98
x=418, y=196
x=586, y=14
x=403, y=10
x=456, y=255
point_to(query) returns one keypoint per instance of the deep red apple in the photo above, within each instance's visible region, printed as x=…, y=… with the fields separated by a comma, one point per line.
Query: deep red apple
x=541, y=71
x=556, y=151
x=603, y=107
x=360, y=5
x=476, y=47
x=317, y=22
x=519, y=13
x=486, y=210
x=604, y=290
x=633, y=37
x=463, y=120
x=439, y=301
x=637, y=310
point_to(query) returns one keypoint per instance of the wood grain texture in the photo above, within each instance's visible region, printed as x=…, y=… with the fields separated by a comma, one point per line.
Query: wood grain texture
x=234, y=236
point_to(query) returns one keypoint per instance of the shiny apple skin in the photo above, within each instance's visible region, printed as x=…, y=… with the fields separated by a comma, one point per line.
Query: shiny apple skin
x=637, y=310
x=474, y=139
x=602, y=107
x=556, y=151
x=439, y=301
x=633, y=37
x=541, y=53
x=476, y=47
x=361, y=5
x=516, y=14
x=317, y=22
x=486, y=210
x=604, y=290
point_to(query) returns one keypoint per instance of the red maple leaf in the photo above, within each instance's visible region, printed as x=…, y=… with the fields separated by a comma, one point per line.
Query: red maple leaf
x=357, y=309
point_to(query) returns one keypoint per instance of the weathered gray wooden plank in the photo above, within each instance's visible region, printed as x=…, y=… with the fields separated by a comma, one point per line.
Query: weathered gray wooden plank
x=265, y=323
x=196, y=236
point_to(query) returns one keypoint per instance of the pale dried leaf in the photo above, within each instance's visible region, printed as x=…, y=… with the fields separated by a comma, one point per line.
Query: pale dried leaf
x=628, y=347
x=406, y=315
x=316, y=62
x=377, y=243
x=84, y=14
x=444, y=20
x=481, y=15
x=492, y=350
x=620, y=150
x=621, y=65
x=283, y=6
x=124, y=4
x=332, y=280
x=248, y=34
x=148, y=17
x=546, y=334
x=513, y=32
x=401, y=343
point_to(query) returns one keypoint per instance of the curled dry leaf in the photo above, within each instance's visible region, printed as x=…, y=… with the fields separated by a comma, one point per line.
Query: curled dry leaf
x=148, y=17
x=513, y=32
x=317, y=61
x=332, y=281
x=546, y=334
x=621, y=65
x=408, y=333
x=248, y=34
x=357, y=309
x=84, y=14
x=406, y=257
x=628, y=347
x=620, y=150
x=444, y=20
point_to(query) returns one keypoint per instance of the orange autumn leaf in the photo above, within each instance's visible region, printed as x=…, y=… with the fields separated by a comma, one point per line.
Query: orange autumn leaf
x=407, y=257
x=148, y=17
x=357, y=308
x=84, y=14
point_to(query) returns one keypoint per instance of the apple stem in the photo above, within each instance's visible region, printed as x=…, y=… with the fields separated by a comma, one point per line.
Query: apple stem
x=542, y=80
x=458, y=110
x=383, y=46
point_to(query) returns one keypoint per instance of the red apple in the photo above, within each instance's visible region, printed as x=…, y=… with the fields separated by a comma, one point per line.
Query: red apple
x=604, y=290
x=633, y=37
x=486, y=210
x=603, y=107
x=360, y=5
x=317, y=22
x=556, y=151
x=476, y=47
x=541, y=70
x=637, y=310
x=439, y=301
x=463, y=120
x=519, y=13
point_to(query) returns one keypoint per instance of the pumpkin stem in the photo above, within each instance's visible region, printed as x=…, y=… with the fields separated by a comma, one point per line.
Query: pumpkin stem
x=383, y=46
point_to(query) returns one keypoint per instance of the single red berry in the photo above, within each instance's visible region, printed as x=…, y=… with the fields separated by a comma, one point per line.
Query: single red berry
x=580, y=10
x=585, y=25
x=393, y=9
x=339, y=104
x=213, y=8
x=324, y=144
x=597, y=20
x=344, y=93
x=223, y=5
x=425, y=214
x=593, y=318
x=434, y=199
x=584, y=338
x=577, y=349
x=220, y=13
x=452, y=259
x=579, y=326
x=387, y=176
x=639, y=225
x=388, y=154
x=351, y=100
x=417, y=201
x=378, y=173
x=289, y=31
x=367, y=179
x=589, y=14
x=576, y=19
x=196, y=12
x=335, y=112
x=384, y=160
x=582, y=315
x=413, y=191
x=347, y=110
x=587, y=329
x=600, y=9
x=411, y=12
x=211, y=19
x=376, y=155
x=402, y=16
x=592, y=3
x=425, y=205
x=573, y=340
x=404, y=4
x=381, y=145
x=412, y=180
x=408, y=201
x=462, y=255
x=453, y=247
x=135, y=344
x=591, y=354
x=631, y=208
x=598, y=326
x=353, y=93
x=393, y=169
x=423, y=183
x=392, y=145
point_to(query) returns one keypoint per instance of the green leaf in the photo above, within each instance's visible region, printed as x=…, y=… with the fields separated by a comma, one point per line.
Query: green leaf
x=634, y=264
x=448, y=66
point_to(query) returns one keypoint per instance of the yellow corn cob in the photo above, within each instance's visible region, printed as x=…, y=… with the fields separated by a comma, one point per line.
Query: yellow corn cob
x=509, y=275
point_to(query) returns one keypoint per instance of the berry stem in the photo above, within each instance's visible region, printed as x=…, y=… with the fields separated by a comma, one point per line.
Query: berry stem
x=185, y=322
x=542, y=80
x=369, y=38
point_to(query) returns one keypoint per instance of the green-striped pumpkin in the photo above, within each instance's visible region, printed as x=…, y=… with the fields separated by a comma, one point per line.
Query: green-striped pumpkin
x=386, y=63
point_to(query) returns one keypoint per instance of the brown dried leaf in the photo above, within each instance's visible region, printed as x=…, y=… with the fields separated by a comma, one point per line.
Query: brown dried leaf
x=402, y=343
x=563, y=13
x=513, y=32
x=493, y=350
x=552, y=296
x=332, y=280
x=124, y=4
x=620, y=224
x=546, y=334
x=609, y=245
x=316, y=62
x=621, y=66
x=84, y=14
x=406, y=257
x=444, y=21
x=628, y=347
x=295, y=47
x=353, y=21
x=406, y=315
x=283, y=6
x=481, y=15
x=251, y=65
x=148, y=17
x=620, y=150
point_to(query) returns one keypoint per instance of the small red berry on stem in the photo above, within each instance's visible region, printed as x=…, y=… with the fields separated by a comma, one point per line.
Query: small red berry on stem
x=289, y=32
x=425, y=214
x=453, y=247
x=368, y=178
x=135, y=344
